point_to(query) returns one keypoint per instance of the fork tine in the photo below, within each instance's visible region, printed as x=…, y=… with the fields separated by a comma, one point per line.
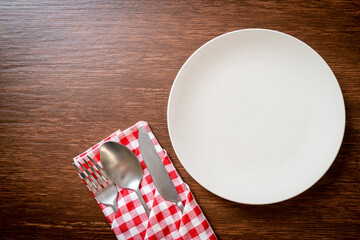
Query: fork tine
x=96, y=173
x=88, y=182
x=98, y=167
x=94, y=181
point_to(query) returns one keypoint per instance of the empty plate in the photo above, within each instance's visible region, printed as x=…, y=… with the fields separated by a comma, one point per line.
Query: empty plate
x=256, y=116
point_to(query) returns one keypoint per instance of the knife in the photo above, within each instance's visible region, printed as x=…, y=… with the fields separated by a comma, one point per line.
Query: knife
x=157, y=169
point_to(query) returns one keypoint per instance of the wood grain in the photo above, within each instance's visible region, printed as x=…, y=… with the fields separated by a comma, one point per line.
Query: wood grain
x=72, y=72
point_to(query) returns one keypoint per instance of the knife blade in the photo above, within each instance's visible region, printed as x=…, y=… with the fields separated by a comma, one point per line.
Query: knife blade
x=157, y=170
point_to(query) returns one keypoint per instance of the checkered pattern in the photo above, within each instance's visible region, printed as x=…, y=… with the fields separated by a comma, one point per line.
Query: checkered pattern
x=165, y=220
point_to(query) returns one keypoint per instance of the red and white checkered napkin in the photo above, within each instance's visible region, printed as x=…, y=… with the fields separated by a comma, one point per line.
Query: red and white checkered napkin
x=166, y=220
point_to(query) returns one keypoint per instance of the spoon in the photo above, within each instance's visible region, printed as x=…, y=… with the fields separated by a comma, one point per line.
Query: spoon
x=123, y=168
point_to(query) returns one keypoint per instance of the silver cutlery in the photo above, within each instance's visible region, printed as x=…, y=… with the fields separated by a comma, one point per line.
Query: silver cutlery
x=104, y=190
x=157, y=170
x=123, y=168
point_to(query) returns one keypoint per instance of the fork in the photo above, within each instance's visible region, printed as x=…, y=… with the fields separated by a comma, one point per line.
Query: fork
x=103, y=188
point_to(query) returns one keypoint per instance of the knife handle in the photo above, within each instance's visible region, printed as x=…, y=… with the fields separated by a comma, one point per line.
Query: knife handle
x=181, y=206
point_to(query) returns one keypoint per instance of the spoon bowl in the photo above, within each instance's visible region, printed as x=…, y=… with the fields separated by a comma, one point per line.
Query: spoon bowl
x=122, y=167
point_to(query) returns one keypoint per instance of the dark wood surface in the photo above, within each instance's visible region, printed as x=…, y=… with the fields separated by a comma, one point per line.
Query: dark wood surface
x=72, y=72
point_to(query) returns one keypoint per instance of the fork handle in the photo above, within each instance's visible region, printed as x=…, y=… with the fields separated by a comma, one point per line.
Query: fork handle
x=114, y=205
x=142, y=201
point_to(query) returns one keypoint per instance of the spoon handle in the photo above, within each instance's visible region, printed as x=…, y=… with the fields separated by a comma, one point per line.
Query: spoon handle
x=142, y=201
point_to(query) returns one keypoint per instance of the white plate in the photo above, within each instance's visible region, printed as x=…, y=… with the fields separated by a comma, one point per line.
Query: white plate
x=256, y=116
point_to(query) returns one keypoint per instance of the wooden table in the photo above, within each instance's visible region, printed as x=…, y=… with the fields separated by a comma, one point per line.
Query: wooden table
x=72, y=72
